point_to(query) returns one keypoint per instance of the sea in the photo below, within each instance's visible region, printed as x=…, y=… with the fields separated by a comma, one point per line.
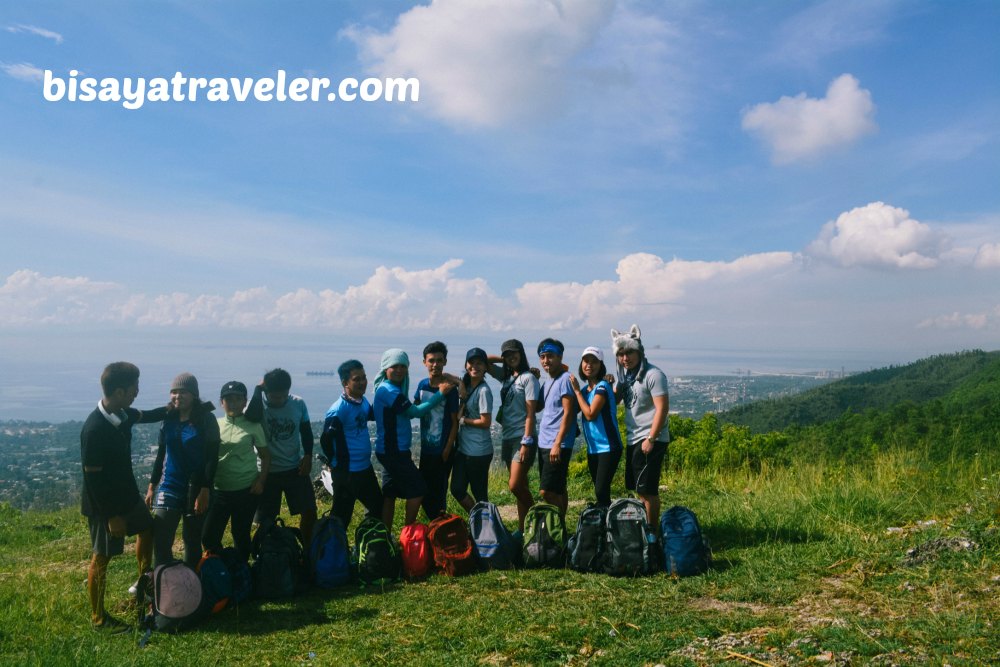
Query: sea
x=53, y=374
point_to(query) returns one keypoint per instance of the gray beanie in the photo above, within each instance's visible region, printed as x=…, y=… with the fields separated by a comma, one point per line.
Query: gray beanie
x=187, y=382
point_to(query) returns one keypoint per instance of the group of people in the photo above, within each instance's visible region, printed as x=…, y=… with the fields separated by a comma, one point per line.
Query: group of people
x=234, y=470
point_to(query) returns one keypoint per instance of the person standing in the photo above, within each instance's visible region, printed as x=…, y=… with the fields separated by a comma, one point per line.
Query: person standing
x=347, y=444
x=519, y=394
x=642, y=388
x=110, y=498
x=393, y=412
x=238, y=482
x=557, y=426
x=596, y=401
x=290, y=442
x=475, y=444
x=183, y=473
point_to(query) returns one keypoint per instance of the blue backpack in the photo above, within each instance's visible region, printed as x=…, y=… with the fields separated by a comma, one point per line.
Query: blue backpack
x=329, y=558
x=491, y=539
x=216, y=583
x=685, y=550
x=239, y=574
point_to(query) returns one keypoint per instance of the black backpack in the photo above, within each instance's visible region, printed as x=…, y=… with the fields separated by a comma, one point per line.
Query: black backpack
x=278, y=568
x=632, y=545
x=587, y=549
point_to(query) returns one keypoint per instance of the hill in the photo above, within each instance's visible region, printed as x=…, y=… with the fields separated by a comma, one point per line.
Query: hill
x=896, y=561
x=963, y=382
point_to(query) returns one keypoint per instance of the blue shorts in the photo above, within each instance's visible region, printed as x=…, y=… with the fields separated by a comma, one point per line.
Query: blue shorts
x=400, y=477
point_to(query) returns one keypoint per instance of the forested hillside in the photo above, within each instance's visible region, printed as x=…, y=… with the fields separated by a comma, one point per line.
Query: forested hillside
x=943, y=406
x=962, y=376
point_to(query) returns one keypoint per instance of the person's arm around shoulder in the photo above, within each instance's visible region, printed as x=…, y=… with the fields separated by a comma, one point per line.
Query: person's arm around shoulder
x=254, y=411
x=213, y=439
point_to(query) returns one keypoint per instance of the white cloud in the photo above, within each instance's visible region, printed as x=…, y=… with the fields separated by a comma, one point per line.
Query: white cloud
x=988, y=256
x=830, y=27
x=644, y=280
x=390, y=299
x=800, y=127
x=23, y=71
x=487, y=63
x=34, y=30
x=878, y=235
x=956, y=320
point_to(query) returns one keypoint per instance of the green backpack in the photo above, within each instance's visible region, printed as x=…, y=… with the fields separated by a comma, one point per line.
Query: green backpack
x=544, y=537
x=376, y=554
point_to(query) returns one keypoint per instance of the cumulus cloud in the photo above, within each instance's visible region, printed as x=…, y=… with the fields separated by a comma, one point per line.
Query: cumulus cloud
x=879, y=236
x=801, y=127
x=390, y=299
x=988, y=256
x=486, y=63
x=644, y=280
x=23, y=71
x=35, y=30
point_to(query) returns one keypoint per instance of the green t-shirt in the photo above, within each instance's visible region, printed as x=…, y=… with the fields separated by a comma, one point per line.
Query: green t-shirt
x=240, y=440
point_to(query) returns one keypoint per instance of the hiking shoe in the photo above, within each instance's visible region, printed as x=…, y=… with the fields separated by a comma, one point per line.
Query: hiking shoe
x=133, y=590
x=111, y=625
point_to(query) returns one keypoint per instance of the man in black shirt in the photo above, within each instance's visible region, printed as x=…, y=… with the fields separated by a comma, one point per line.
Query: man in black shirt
x=111, y=500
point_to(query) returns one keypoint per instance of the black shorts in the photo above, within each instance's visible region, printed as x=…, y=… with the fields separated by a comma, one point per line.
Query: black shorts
x=298, y=492
x=642, y=472
x=552, y=476
x=400, y=477
x=103, y=543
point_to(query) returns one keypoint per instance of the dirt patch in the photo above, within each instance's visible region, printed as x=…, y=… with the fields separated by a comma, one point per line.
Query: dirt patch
x=725, y=606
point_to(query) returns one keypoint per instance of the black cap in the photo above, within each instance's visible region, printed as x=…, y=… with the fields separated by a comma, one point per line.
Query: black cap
x=233, y=387
x=476, y=353
x=512, y=345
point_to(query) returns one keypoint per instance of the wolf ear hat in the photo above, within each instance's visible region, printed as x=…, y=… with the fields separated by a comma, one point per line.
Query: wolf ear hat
x=632, y=340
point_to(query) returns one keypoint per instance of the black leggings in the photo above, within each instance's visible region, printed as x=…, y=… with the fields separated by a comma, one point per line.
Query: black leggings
x=471, y=471
x=238, y=506
x=602, y=471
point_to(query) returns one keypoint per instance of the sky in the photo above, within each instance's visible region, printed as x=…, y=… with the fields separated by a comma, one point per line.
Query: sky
x=811, y=180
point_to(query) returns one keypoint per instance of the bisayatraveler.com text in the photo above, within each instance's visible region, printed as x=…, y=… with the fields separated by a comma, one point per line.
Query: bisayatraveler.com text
x=134, y=92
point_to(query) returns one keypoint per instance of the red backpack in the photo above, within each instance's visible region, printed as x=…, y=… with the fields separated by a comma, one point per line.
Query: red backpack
x=453, y=550
x=418, y=557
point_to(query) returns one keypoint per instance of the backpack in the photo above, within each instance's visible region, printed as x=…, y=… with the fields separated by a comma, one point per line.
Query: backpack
x=174, y=597
x=418, y=555
x=685, y=549
x=239, y=575
x=544, y=537
x=453, y=550
x=329, y=557
x=376, y=556
x=278, y=567
x=216, y=583
x=586, y=549
x=493, y=542
x=631, y=542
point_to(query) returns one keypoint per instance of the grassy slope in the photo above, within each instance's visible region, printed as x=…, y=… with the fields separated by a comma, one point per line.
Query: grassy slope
x=804, y=566
x=954, y=378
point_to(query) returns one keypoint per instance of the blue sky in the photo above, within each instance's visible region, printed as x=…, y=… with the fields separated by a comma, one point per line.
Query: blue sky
x=760, y=176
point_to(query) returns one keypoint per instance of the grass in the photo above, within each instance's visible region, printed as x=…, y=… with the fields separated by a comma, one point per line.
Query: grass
x=807, y=571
